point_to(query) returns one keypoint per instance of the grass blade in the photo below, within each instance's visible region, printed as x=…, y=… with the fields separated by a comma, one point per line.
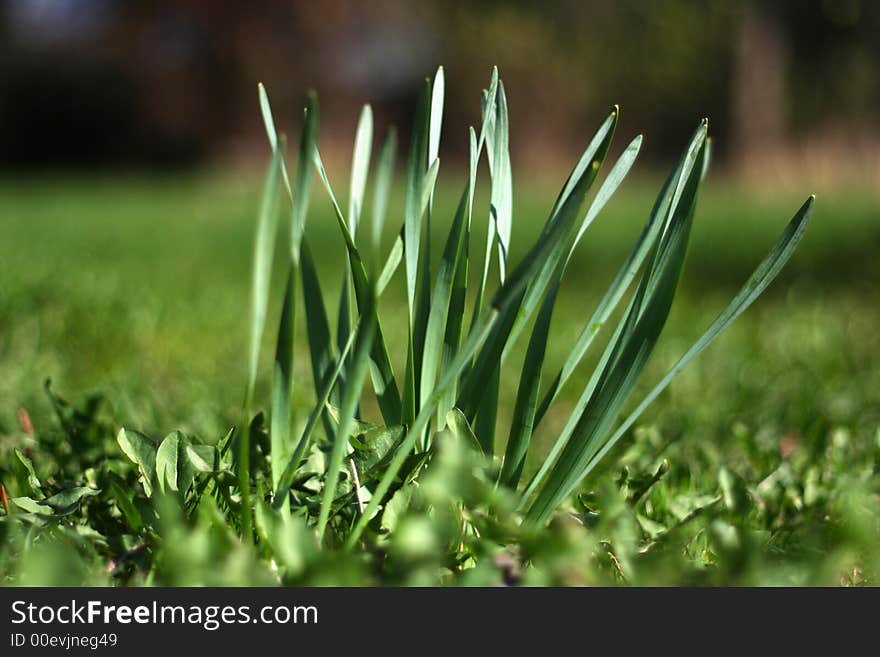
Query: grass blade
x=535, y=272
x=470, y=346
x=350, y=399
x=458, y=294
x=440, y=300
x=501, y=303
x=659, y=216
x=360, y=167
x=317, y=329
x=395, y=256
x=761, y=278
x=586, y=169
x=524, y=416
x=635, y=343
x=319, y=410
x=502, y=183
x=414, y=191
x=382, y=189
x=264, y=247
x=438, y=90
x=613, y=295
x=282, y=383
x=381, y=372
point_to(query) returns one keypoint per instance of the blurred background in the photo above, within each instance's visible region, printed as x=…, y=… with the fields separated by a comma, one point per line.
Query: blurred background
x=791, y=86
x=132, y=151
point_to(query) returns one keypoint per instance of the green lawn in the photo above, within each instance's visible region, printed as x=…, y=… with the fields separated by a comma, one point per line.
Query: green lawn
x=137, y=290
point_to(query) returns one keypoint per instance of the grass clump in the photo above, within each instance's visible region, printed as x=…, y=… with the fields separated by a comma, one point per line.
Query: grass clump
x=422, y=490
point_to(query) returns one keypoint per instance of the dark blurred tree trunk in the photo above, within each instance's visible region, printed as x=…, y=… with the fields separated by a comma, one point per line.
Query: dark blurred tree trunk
x=758, y=86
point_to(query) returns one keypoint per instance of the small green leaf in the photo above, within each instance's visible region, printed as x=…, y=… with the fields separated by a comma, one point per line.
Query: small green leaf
x=32, y=506
x=166, y=462
x=30, y=475
x=68, y=501
x=141, y=450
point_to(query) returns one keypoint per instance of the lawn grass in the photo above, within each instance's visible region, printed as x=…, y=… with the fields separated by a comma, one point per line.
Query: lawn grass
x=133, y=288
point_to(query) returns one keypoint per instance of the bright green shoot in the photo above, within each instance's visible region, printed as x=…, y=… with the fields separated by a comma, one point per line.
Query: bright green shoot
x=341, y=479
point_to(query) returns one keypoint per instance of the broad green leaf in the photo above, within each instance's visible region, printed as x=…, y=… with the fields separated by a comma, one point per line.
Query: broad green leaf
x=68, y=501
x=32, y=506
x=396, y=508
x=458, y=427
x=291, y=543
x=118, y=490
x=203, y=458
x=373, y=446
x=166, y=462
x=141, y=450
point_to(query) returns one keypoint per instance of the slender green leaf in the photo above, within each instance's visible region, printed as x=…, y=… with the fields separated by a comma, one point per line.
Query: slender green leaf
x=660, y=214
x=630, y=352
x=381, y=372
x=524, y=416
x=360, y=167
x=531, y=277
x=440, y=299
x=282, y=382
x=305, y=440
x=458, y=293
x=502, y=182
x=317, y=324
x=359, y=367
x=264, y=249
x=764, y=274
x=414, y=192
x=384, y=176
x=391, y=264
